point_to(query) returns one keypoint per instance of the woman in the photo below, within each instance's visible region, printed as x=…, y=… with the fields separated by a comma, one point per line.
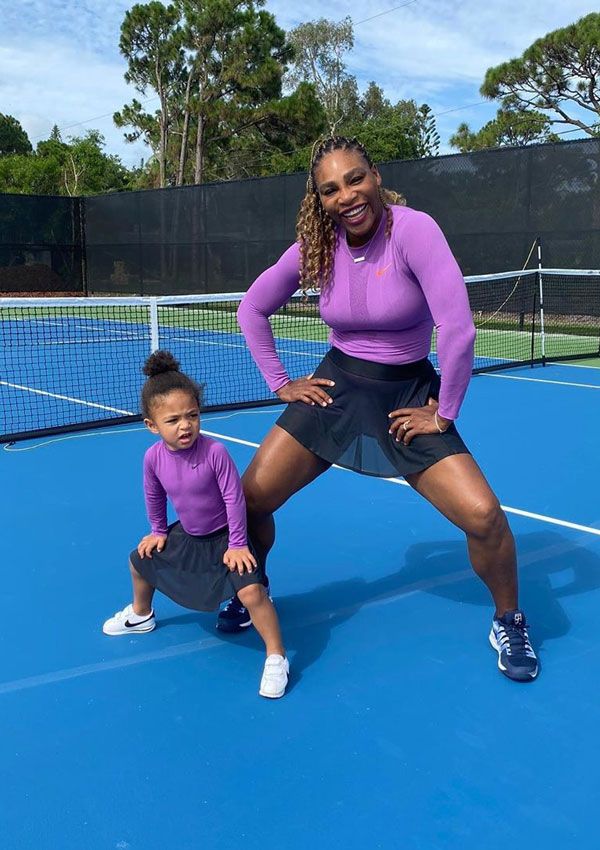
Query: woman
x=375, y=404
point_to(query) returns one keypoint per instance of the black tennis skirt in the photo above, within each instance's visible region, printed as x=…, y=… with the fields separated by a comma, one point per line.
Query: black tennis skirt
x=190, y=569
x=353, y=432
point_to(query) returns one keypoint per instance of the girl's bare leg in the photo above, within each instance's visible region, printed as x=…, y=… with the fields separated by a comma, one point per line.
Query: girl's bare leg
x=264, y=618
x=143, y=593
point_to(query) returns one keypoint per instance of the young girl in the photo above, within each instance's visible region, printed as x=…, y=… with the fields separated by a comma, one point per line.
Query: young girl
x=204, y=557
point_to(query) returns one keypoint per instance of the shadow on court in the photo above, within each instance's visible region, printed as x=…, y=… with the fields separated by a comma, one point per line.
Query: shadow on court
x=551, y=568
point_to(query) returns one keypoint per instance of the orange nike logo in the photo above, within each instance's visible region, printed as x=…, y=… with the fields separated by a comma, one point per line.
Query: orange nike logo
x=381, y=272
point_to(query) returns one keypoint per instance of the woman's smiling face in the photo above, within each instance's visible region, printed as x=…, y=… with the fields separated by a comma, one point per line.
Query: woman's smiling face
x=349, y=191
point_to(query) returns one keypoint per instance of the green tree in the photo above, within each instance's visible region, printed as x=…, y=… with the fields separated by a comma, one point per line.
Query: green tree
x=559, y=72
x=87, y=170
x=510, y=127
x=279, y=143
x=77, y=167
x=220, y=64
x=374, y=103
x=319, y=47
x=151, y=43
x=236, y=56
x=403, y=131
x=22, y=174
x=13, y=138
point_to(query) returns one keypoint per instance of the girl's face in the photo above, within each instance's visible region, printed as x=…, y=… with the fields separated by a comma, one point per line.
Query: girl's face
x=349, y=191
x=176, y=417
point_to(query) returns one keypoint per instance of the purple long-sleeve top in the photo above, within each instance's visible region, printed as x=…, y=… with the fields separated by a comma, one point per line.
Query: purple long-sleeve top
x=203, y=485
x=383, y=308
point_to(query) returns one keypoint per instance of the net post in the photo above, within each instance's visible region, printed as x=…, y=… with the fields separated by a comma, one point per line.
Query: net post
x=541, y=295
x=533, y=309
x=154, y=337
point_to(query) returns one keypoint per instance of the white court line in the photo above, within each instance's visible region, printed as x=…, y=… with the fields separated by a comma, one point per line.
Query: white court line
x=244, y=347
x=66, y=398
x=529, y=514
x=539, y=381
x=127, y=334
x=577, y=365
x=88, y=341
x=117, y=664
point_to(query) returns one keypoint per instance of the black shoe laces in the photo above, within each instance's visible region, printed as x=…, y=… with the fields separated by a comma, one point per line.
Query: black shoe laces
x=515, y=640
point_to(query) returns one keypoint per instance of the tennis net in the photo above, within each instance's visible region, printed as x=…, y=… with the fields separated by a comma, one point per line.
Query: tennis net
x=76, y=362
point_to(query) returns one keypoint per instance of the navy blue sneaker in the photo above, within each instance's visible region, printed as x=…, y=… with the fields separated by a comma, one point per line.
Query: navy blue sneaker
x=233, y=617
x=516, y=658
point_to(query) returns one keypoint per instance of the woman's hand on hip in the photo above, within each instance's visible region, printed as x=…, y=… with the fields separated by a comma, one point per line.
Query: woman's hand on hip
x=308, y=390
x=409, y=422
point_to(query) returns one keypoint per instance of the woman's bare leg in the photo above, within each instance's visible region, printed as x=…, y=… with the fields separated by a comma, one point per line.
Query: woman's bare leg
x=457, y=488
x=280, y=468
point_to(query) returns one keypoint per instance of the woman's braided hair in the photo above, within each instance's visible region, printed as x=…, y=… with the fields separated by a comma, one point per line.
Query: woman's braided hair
x=315, y=229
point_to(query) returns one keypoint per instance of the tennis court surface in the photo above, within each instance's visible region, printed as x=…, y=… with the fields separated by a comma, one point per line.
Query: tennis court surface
x=397, y=730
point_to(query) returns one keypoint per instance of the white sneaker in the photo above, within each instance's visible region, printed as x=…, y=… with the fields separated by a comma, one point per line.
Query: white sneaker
x=275, y=677
x=127, y=620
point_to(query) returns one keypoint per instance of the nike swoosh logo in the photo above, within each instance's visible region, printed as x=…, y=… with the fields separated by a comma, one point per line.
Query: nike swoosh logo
x=129, y=625
x=381, y=272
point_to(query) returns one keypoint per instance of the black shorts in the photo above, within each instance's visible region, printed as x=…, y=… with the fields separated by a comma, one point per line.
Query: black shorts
x=353, y=431
x=190, y=569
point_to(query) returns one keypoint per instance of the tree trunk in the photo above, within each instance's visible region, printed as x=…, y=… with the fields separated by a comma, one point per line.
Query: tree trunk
x=199, y=149
x=162, y=152
x=185, y=133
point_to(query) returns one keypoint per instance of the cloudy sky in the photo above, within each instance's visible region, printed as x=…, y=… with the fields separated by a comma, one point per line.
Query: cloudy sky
x=60, y=62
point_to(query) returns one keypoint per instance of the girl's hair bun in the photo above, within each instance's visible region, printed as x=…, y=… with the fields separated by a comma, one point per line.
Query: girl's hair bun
x=159, y=362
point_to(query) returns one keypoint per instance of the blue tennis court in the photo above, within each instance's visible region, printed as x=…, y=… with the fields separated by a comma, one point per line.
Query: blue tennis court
x=397, y=730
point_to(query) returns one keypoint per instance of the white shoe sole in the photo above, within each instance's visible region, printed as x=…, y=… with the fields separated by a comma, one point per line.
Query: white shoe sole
x=495, y=645
x=273, y=696
x=267, y=694
x=131, y=630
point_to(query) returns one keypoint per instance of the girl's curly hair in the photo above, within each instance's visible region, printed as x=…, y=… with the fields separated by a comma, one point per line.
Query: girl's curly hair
x=315, y=229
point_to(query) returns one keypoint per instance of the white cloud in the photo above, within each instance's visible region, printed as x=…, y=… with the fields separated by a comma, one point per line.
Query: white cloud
x=75, y=89
x=438, y=51
x=60, y=61
x=90, y=26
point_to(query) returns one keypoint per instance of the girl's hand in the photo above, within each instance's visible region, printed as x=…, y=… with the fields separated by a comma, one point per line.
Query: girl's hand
x=241, y=560
x=308, y=390
x=409, y=422
x=149, y=543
